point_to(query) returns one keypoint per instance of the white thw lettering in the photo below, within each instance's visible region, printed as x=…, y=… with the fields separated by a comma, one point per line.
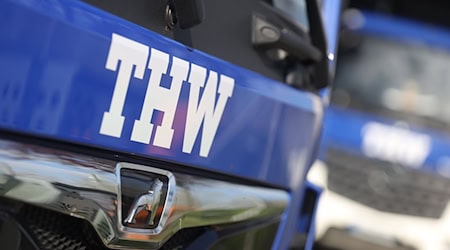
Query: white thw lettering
x=160, y=98
x=203, y=110
x=395, y=144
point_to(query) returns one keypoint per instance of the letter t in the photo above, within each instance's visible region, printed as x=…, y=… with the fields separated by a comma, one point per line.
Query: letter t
x=129, y=53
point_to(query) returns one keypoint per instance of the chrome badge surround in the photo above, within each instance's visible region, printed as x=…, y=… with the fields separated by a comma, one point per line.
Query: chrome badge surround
x=169, y=197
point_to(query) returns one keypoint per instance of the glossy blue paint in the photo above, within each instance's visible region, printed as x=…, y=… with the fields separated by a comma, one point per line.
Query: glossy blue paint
x=404, y=29
x=331, y=12
x=331, y=15
x=53, y=83
x=312, y=229
x=306, y=224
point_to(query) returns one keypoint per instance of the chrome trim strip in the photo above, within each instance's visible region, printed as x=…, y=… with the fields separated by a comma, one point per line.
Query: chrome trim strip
x=88, y=188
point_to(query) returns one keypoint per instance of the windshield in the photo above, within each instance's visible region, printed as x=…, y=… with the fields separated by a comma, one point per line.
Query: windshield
x=402, y=80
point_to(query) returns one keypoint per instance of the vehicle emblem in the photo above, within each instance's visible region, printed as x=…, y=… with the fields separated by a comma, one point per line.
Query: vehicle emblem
x=148, y=202
x=145, y=197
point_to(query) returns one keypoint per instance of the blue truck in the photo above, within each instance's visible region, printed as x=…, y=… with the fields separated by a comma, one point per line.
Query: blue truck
x=161, y=124
x=385, y=152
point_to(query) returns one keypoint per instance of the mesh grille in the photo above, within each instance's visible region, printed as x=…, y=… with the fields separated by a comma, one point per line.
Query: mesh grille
x=386, y=186
x=57, y=231
x=54, y=231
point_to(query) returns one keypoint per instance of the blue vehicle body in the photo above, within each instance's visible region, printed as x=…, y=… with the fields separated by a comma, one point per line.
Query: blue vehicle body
x=54, y=85
x=385, y=152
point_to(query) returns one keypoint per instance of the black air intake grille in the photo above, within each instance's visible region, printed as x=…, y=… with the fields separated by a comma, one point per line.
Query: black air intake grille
x=57, y=231
x=49, y=230
x=386, y=186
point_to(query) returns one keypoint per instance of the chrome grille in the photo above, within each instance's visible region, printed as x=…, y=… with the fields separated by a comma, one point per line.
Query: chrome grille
x=97, y=191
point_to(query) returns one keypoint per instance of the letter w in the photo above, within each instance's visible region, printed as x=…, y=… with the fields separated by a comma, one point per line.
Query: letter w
x=203, y=111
